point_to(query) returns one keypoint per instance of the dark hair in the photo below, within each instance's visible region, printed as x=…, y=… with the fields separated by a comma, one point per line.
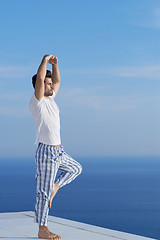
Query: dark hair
x=48, y=74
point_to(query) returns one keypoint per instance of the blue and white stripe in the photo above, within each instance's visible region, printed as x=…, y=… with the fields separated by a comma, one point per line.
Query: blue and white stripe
x=49, y=160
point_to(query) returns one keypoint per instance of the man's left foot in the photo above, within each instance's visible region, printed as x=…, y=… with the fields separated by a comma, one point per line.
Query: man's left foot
x=45, y=233
x=55, y=236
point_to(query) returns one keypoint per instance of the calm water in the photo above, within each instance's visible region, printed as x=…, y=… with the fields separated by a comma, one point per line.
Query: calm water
x=113, y=192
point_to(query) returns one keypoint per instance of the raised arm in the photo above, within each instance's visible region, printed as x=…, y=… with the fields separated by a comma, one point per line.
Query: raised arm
x=41, y=73
x=55, y=73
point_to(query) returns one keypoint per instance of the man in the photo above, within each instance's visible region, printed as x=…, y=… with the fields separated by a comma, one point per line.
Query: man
x=50, y=155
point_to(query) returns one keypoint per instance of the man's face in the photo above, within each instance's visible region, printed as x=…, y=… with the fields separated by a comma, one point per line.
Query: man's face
x=48, y=87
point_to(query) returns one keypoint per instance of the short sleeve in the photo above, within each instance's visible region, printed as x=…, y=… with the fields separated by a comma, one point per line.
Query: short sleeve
x=35, y=103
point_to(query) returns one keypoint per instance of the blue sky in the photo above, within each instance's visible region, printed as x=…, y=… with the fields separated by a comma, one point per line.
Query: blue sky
x=109, y=62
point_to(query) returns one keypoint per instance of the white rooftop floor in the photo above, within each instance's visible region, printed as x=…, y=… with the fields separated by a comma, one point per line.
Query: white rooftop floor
x=20, y=225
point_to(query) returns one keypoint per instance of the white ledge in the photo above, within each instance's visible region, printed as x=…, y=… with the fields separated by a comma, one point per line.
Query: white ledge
x=21, y=225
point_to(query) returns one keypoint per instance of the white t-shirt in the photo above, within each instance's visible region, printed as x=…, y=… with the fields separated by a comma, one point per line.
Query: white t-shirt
x=47, y=121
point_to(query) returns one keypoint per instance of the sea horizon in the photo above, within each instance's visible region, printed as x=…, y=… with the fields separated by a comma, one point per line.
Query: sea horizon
x=119, y=193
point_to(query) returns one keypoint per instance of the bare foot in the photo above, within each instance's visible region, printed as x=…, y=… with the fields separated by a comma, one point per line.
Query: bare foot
x=55, y=189
x=55, y=236
x=46, y=234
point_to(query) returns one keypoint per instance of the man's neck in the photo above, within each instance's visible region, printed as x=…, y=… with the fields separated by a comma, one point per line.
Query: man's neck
x=47, y=97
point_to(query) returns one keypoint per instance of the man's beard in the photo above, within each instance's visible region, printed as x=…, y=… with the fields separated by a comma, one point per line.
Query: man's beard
x=47, y=94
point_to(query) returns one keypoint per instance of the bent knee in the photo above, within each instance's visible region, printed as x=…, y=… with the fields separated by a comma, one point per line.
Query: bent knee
x=79, y=169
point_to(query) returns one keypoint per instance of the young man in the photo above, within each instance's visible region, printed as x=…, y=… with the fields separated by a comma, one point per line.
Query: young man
x=50, y=155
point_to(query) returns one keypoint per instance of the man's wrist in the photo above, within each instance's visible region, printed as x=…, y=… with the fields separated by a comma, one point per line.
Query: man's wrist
x=55, y=65
x=44, y=59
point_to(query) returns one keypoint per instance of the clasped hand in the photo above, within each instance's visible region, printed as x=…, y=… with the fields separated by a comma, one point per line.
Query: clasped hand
x=51, y=59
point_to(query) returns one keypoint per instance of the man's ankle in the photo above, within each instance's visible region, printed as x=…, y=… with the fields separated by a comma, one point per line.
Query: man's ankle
x=43, y=227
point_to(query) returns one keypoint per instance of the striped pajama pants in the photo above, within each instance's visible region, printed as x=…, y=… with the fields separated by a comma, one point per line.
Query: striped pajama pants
x=48, y=161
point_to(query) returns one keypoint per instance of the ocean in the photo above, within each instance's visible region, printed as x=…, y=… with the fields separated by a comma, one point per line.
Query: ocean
x=119, y=193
